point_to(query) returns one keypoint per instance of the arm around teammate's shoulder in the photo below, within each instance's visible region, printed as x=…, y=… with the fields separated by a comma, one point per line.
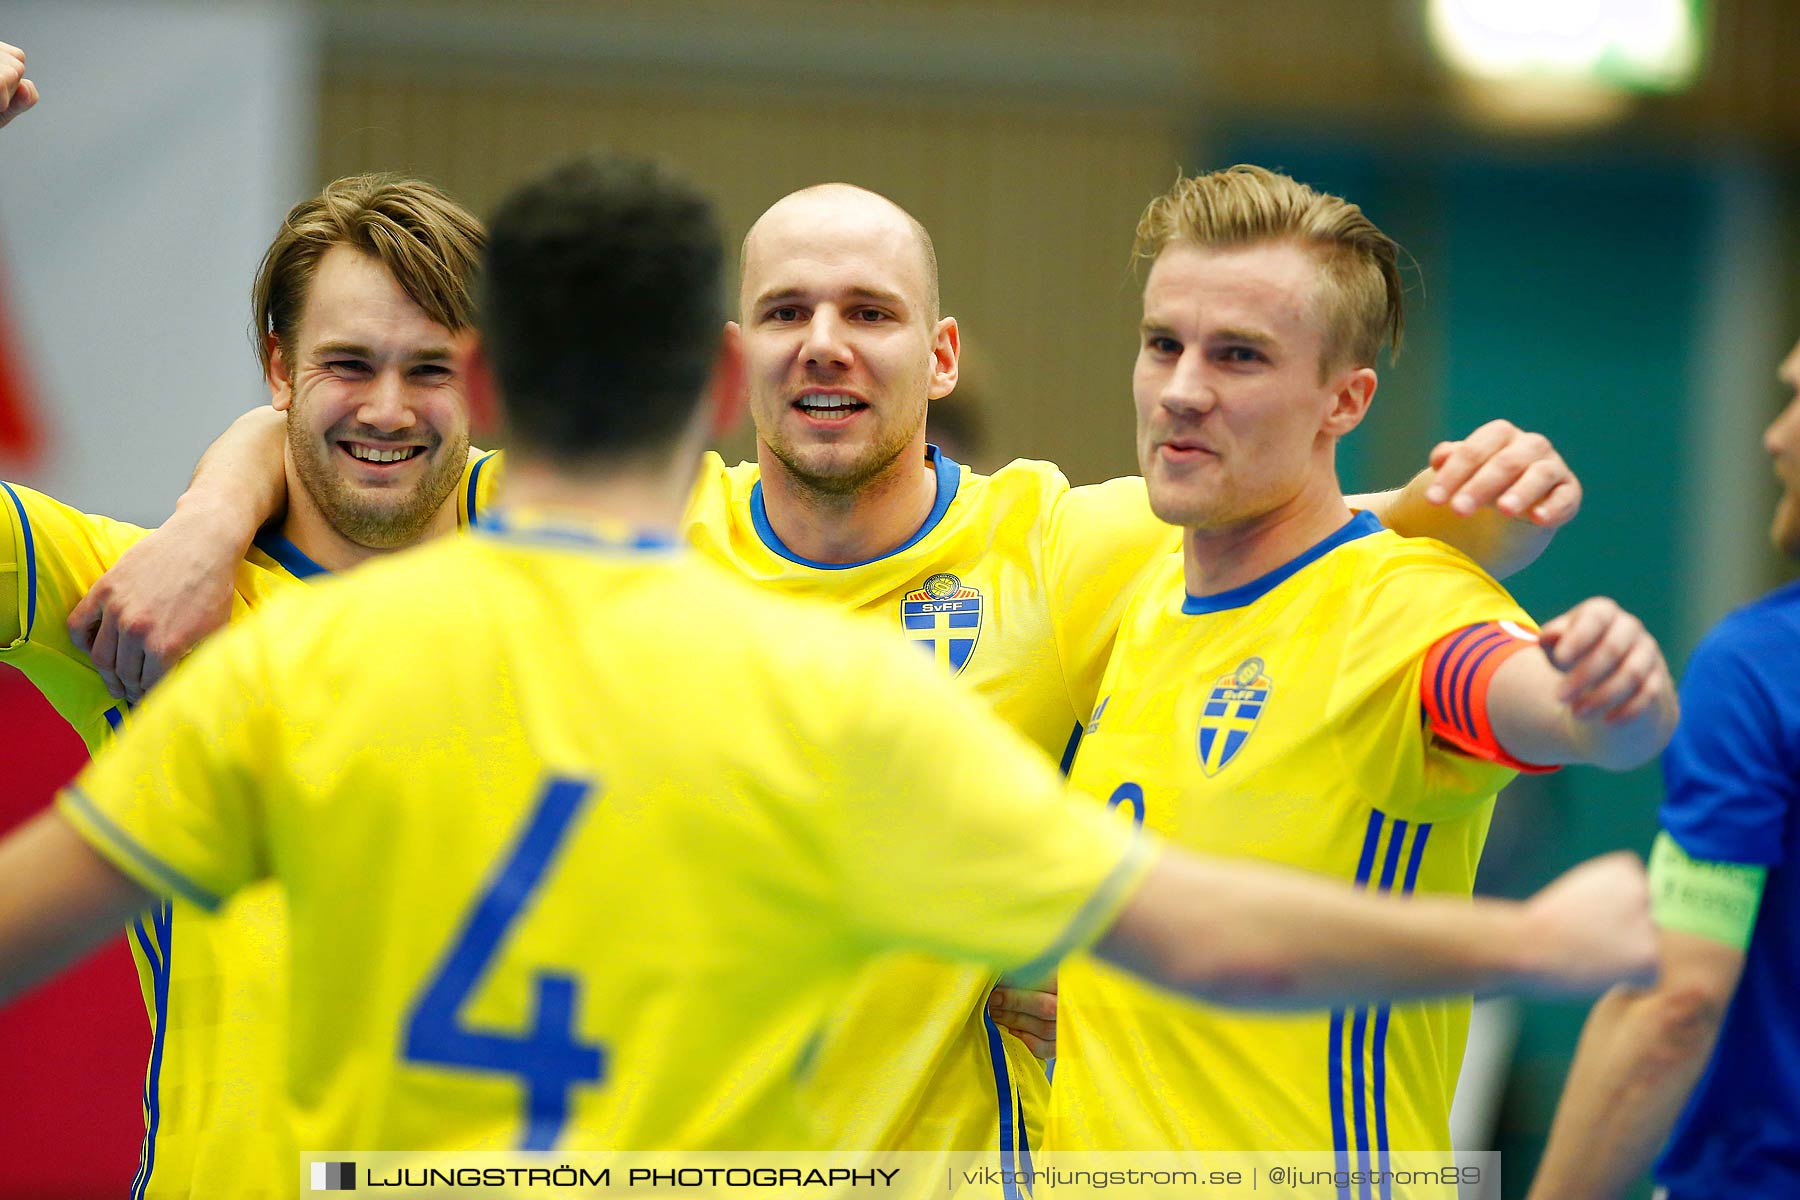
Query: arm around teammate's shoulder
x=174, y=588
x=1498, y=495
x=1595, y=690
x=1259, y=936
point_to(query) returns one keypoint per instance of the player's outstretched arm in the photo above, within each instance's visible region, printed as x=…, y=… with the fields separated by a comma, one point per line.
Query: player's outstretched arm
x=1596, y=690
x=17, y=93
x=1498, y=495
x=58, y=900
x=1253, y=935
x=173, y=588
x=1640, y=1055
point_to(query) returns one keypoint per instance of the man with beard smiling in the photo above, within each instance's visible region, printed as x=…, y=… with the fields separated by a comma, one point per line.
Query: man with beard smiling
x=363, y=303
x=1013, y=581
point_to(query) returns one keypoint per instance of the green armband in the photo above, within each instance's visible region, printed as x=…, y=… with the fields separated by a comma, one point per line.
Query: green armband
x=1716, y=900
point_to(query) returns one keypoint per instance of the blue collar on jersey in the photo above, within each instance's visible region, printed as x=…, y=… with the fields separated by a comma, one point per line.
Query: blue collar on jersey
x=1361, y=525
x=532, y=528
x=949, y=478
x=469, y=505
x=273, y=543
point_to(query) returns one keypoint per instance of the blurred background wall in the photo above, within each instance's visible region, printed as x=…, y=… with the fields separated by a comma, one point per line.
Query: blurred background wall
x=1616, y=269
x=131, y=222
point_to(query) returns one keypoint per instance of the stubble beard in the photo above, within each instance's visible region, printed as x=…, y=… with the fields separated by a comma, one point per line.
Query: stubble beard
x=844, y=478
x=383, y=521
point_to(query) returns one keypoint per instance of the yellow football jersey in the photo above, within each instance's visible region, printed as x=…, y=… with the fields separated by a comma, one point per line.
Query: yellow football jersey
x=1014, y=584
x=208, y=981
x=1282, y=720
x=599, y=878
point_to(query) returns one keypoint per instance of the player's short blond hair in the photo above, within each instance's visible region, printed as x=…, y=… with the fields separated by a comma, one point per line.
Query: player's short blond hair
x=1360, y=292
x=429, y=243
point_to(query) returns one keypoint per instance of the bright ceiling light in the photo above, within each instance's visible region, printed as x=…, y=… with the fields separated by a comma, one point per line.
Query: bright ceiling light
x=1639, y=45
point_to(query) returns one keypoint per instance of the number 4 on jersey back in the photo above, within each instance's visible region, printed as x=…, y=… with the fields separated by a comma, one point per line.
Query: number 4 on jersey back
x=546, y=1056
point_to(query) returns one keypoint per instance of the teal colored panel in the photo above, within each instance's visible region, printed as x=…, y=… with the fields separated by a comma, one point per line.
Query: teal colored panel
x=1572, y=300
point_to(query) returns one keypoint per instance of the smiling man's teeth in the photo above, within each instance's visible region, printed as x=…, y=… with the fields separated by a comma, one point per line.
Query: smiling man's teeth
x=371, y=454
x=829, y=405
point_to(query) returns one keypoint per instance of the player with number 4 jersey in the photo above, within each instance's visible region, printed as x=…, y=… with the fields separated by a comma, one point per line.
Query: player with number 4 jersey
x=697, y=848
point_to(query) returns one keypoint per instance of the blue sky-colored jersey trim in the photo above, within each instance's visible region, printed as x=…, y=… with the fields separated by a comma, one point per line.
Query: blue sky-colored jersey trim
x=503, y=525
x=1334, y=1066
x=290, y=556
x=1390, y=863
x=1069, y=749
x=162, y=918
x=474, y=485
x=166, y=875
x=1025, y=1171
x=1003, y=1104
x=30, y=561
x=949, y=478
x=1423, y=832
x=1359, y=526
x=1358, y=1119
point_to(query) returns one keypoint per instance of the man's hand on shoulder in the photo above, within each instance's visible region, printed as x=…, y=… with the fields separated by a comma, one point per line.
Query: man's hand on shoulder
x=1504, y=467
x=17, y=93
x=156, y=603
x=1498, y=495
x=174, y=587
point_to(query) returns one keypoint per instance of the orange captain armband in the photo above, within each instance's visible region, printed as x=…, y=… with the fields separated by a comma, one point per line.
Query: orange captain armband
x=1454, y=688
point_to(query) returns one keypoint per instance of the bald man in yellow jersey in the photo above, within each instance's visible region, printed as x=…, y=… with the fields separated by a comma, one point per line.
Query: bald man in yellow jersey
x=1300, y=685
x=1013, y=582
x=364, y=301
x=600, y=878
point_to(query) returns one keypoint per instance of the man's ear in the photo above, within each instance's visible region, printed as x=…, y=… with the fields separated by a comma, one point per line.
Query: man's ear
x=1350, y=401
x=480, y=392
x=728, y=391
x=946, y=349
x=281, y=383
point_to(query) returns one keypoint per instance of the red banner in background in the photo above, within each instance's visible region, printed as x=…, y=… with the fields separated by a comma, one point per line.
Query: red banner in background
x=74, y=1051
x=21, y=433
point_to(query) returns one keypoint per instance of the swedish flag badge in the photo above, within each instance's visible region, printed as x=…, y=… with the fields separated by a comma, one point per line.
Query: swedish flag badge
x=1230, y=713
x=944, y=617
